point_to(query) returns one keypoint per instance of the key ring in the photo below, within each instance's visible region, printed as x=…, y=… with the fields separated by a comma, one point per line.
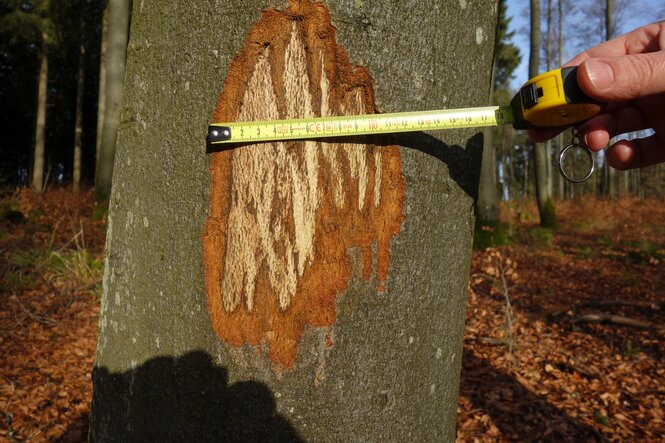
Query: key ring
x=576, y=144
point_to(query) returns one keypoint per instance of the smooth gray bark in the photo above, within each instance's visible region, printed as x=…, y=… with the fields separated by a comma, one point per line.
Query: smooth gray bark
x=549, y=62
x=612, y=177
x=40, y=127
x=101, y=98
x=117, y=35
x=488, y=192
x=560, y=180
x=540, y=150
x=161, y=372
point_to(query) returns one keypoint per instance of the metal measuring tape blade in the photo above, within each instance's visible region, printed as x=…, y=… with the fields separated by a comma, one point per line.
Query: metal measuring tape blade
x=552, y=99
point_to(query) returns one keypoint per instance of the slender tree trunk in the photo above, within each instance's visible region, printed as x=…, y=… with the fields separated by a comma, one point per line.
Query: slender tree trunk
x=560, y=180
x=341, y=314
x=101, y=98
x=541, y=156
x=548, y=66
x=549, y=170
x=488, y=196
x=40, y=129
x=118, y=29
x=612, y=176
x=548, y=143
x=659, y=180
x=509, y=156
x=78, y=131
x=609, y=19
x=526, y=172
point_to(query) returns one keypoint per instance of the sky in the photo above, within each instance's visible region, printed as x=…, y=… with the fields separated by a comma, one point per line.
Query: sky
x=519, y=11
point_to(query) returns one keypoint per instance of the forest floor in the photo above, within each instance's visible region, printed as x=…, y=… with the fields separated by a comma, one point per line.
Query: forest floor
x=564, y=338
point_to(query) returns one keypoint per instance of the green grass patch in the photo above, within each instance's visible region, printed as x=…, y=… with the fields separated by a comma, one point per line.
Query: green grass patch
x=489, y=235
x=601, y=418
x=78, y=264
x=630, y=349
x=587, y=252
x=644, y=252
x=540, y=236
x=9, y=211
x=22, y=269
x=605, y=240
x=25, y=268
x=548, y=216
x=99, y=211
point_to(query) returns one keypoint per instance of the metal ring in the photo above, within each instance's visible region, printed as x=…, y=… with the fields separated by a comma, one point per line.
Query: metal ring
x=562, y=157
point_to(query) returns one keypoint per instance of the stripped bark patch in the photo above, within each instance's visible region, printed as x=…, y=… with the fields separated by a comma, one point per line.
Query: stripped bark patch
x=283, y=216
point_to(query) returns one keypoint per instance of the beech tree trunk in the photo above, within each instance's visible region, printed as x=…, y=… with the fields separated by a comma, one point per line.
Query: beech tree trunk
x=488, y=192
x=541, y=152
x=101, y=98
x=117, y=34
x=561, y=182
x=309, y=291
x=612, y=175
x=78, y=129
x=40, y=127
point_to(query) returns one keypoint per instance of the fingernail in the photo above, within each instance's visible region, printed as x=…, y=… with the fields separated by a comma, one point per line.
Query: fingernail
x=600, y=74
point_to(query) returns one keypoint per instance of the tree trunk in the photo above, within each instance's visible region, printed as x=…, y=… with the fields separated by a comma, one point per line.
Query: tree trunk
x=559, y=140
x=328, y=303
x=548, y=144
x=609, y=19
x=40, y=128
x=78, y=131
x=488, y=195
x=512, y=185
x=101, y=98
x=612, y=176
x=548, y=65
x=548, y=38
x=541, y=154
x=118, y=29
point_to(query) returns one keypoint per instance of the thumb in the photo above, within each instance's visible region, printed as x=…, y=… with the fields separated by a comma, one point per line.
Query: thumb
x=623, y=78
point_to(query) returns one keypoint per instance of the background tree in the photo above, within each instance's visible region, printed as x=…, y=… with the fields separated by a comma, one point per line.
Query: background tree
x=116, y=52
x=506, y=59
x=394, y=349
x=69, y=24
x=101, y=100
x=31, y=23
x=507, y=55
x=541, y=156
x=561, y=183
x=602, y=20
x=40, y=125
x=78, y=130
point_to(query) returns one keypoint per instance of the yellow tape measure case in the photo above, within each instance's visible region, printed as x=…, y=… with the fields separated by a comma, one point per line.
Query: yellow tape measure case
x=553, y=99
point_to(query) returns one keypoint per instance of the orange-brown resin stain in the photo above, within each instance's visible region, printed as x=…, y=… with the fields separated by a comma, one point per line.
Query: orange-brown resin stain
x=354, y=198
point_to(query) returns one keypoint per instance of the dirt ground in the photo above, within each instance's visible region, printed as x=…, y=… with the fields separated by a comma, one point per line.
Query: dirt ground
x=564, y=336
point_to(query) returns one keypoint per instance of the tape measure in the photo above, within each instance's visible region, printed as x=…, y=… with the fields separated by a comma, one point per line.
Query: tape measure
x=548, y=100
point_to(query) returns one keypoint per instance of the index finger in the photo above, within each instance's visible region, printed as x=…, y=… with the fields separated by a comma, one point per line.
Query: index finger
x=648, y=38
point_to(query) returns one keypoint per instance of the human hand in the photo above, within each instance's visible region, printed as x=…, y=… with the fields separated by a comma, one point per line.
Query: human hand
x=628, y=73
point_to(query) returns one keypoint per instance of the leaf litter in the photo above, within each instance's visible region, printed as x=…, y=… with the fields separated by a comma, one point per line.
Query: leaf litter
x=531, y=370
x=552, y=371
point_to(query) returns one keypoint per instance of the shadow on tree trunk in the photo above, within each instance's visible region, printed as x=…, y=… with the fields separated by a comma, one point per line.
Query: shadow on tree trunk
x=463, y=162
x=193, y=401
